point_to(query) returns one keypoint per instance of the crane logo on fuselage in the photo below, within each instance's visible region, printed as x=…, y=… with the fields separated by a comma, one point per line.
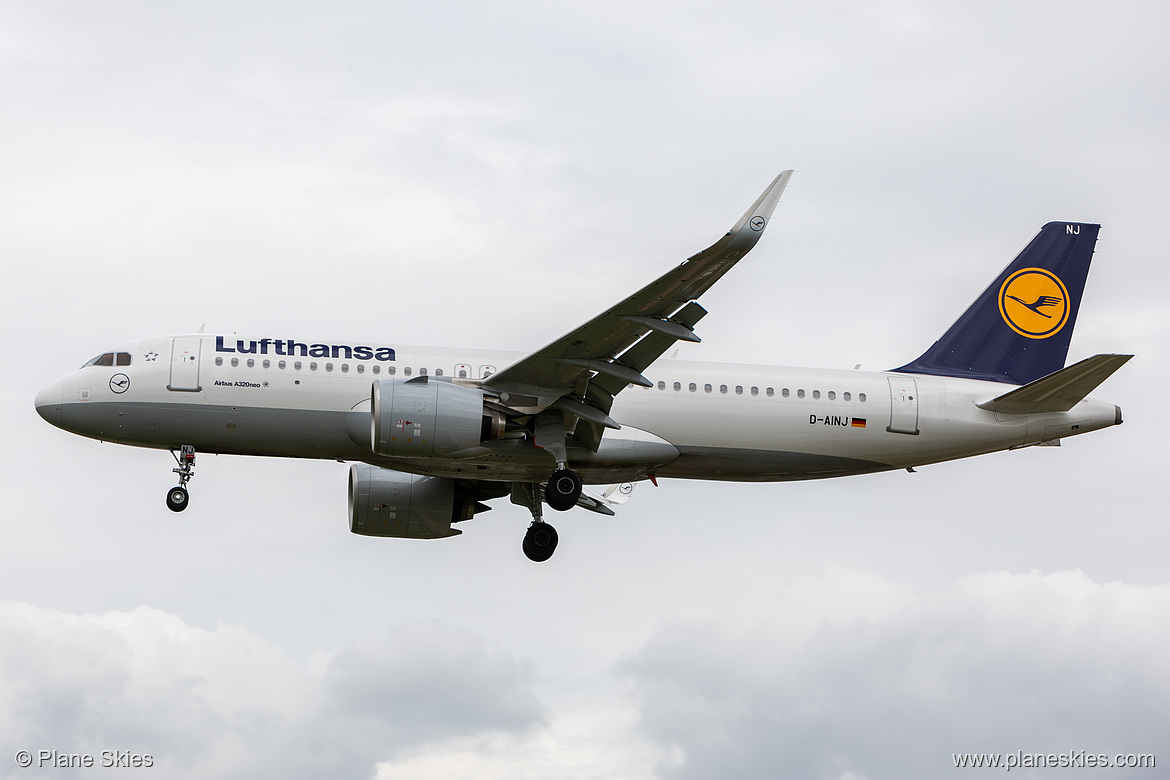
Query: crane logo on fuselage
x=1034, y=303
x=290, y=348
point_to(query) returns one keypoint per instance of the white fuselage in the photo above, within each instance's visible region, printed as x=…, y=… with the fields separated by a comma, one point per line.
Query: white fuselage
x=721, y=421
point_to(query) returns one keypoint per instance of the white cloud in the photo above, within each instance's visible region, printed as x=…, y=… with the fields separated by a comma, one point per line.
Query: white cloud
x=584, y=743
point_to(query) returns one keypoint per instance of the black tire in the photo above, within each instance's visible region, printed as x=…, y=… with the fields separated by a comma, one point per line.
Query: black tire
x=563, y=490
x=177, y=499
x=540, y=542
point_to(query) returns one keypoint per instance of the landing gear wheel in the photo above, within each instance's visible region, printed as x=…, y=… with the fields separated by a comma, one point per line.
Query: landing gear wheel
x=540, y=542
x=177, y=499
x=563, y=490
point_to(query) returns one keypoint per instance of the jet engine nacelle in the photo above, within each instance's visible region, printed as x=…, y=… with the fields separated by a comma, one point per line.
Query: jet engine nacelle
x=424, y=419
x=389, y=503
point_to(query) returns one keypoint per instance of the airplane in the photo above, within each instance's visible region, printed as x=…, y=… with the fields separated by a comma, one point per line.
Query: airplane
x=431, y=434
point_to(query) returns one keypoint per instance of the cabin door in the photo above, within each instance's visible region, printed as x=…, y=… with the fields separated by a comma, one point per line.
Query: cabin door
x=185, y=364
x=903, y=405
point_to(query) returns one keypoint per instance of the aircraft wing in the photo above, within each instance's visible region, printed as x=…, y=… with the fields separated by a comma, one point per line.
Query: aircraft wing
x=582, y=371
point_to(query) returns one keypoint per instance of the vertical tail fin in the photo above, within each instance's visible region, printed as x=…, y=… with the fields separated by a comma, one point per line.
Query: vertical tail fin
x=1019, y=328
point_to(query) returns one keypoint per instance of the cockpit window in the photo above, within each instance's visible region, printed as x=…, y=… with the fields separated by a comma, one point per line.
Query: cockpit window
x=110, y=359
x=101, y=360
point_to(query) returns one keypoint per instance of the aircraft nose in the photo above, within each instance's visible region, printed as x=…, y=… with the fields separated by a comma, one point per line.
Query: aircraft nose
x=49, y=403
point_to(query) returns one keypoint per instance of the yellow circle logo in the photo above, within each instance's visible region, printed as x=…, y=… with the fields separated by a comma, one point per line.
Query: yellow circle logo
x=1034, y=303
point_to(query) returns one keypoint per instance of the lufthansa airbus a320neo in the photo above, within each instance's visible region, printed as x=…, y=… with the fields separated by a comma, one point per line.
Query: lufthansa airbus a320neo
x=434, y=433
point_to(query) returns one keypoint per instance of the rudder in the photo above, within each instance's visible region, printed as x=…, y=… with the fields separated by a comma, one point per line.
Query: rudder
x=1019, y=329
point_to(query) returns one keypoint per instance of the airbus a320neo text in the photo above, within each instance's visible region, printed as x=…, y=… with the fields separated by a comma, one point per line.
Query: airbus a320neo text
x=434, y=433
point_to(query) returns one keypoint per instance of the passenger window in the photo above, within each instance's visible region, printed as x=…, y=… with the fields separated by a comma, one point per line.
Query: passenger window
x=361, y=368
x=816, y=393
x=706, y=388
x=312, y=366
x=832, y=396
x=755, y=390
x=406, y=371
x=662, y=385
x=389, y=370
x=123, y=358
x=267, y=363
x=251, y=363
x=235, y=362
x=422, y=372
x=677, y=386
x=218, y=360
x=463, y=371
x=861, y=397
x=328, y=366
x=377, y=369
x=723, y=389
x=438, y=372
x=770, y=392
x=739, y=389
x=800, y=394
x=846, y=395
x=281, y=364
x=297, y=365
x=486, y=371
x=692, y=387
x=784, y=392
x=345, y=368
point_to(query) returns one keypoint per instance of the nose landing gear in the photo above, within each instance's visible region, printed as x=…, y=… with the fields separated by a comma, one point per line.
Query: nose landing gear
x=177, y=497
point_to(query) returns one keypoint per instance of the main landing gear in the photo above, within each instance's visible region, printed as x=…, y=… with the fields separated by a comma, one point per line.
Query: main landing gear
x=563, y=490
x=540, y=541
x=177, y=497
x=561, y=493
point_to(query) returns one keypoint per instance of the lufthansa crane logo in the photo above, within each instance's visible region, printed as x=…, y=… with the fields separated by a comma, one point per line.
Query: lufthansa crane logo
x=1034, y=303
x=757, y=223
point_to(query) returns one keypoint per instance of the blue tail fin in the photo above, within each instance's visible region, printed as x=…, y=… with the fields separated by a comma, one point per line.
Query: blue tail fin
x=1019, y=329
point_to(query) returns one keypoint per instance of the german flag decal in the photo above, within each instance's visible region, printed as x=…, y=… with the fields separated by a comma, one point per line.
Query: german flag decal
x=858, y=422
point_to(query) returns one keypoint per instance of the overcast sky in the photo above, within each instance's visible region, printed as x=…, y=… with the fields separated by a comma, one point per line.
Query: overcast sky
x=492, y=175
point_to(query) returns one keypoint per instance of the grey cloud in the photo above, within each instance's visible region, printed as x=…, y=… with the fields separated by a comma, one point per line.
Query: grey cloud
x=227, y=703
x=433, y=682
x=998, y=663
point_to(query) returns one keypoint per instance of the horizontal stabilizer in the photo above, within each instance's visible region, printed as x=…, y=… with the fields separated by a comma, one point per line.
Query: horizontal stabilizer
x=594, y=504
x=613, y=495
x=1060, y=391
